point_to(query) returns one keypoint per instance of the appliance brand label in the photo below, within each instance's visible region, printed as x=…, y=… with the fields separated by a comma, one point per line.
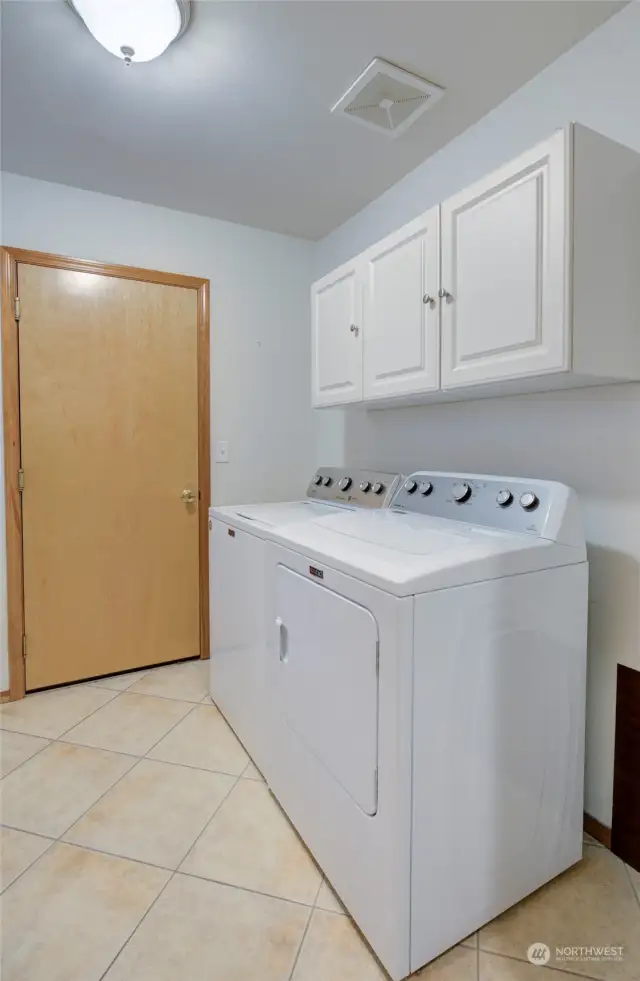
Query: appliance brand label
x=318, y=573
x=231, y=533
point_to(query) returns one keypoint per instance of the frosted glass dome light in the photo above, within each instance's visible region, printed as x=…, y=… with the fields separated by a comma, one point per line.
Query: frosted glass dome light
x=134, y=30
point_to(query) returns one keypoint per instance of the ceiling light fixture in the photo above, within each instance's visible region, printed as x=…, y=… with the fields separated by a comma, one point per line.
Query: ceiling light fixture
x=134, y=30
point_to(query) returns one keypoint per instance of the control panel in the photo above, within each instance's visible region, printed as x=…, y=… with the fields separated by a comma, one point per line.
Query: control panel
x=364, y=488
x=506, y=503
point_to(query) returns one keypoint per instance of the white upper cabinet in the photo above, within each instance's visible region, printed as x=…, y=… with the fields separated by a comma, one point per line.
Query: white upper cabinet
x=504, y=269
x=525, y=282
x=336, y=317
x=401, y=319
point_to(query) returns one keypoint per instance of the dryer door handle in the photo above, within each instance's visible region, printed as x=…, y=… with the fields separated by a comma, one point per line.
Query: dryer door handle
x=282, y=640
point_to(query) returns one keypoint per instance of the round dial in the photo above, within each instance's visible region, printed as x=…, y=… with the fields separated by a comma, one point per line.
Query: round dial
x=410, y=486
x=377, y=487
x=317, y=480
x=529, y=501
x=345, y=483
x=327, y=481
x=461, y=492
x=425, y=487
x=365, y=486
x=504, y=498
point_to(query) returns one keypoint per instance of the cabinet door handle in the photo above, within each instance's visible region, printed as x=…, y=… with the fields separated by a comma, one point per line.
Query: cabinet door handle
x=428, y=299
x=444, y=294
x=354, y=329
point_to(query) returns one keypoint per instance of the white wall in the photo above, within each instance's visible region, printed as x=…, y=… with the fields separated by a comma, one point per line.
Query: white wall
x=259, y=323
x=589, y=439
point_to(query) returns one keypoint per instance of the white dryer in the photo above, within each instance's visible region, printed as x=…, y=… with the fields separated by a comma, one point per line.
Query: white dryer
x=236, y=577
x=427, y=677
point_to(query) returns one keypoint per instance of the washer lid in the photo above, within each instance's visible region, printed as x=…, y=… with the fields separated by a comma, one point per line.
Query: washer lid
x=405, y=553
x=260, y=519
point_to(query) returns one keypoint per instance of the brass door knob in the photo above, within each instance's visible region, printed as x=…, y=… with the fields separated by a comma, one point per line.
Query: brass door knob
x=188, y=496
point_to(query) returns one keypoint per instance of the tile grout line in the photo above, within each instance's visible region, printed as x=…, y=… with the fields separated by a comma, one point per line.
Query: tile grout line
x=34, y=834
x=115, y=693
x=53, y=739
x=138, y=759
x=153, y=865
x=136, y=927
x=52, y=842
x=136, y=756
x=37, y=752
x=559, y=970
x=169, y=880
x=130, y=756
x=98, y=682
x=120, y=752
x=59, y=840
x=302, y=940
x=185, y=716
x=252, y=892
x=306, y=929
x=195, y=842
x=88, y=716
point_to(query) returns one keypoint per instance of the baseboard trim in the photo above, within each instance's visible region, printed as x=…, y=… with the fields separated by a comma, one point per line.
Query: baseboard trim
x=597, y=830
x=5, y=696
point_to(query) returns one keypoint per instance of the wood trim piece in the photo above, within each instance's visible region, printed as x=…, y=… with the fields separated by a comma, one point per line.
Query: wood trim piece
x=597, y=830
x=105, y=269
x=5, y=696
x=204, y=460
x=625, y=824
x=9, y=259
x=12, y=462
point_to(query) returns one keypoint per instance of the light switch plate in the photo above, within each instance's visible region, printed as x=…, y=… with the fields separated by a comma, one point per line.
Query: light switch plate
x=222, y=451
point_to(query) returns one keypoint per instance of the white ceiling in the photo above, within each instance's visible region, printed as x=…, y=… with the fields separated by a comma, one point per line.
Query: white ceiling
x=233, y=121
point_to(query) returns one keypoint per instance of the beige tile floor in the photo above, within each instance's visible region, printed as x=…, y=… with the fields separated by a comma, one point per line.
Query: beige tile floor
x=140, y=843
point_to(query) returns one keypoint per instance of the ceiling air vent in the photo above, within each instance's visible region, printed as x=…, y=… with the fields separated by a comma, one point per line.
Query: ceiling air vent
x=387, y=99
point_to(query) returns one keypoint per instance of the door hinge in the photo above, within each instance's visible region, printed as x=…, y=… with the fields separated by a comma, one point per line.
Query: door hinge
x=21, y=480
x=16, y=307
x=24, y=647
x=378, y=657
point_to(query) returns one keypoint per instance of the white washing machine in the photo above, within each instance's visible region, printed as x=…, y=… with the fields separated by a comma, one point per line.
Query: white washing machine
x=426, y=668
x=236, y=566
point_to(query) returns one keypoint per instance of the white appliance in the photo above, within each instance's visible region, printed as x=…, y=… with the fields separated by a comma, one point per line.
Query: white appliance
x=427, y=677
x=236, y=564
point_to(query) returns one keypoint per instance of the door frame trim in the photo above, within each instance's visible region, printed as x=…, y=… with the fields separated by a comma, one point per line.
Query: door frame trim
x=9, y=259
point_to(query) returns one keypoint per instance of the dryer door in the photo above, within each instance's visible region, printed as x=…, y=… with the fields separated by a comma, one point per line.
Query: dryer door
x=327, y=680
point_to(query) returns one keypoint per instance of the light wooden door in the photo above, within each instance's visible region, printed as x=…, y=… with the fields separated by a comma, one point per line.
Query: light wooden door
x=401, y=311
x=504, y=264
x=336, y=305
x=109, y=432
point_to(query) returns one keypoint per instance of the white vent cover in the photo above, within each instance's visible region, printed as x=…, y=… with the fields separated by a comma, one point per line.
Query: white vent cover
x=387, y=99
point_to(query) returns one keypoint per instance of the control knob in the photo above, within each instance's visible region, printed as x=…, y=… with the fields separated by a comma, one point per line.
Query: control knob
x=317, y=480
x=345, y=483
x=461, y=493
x=504, y=498
x=410, y=486
x=327, y=481
x=529, y=501
x=377, y=487
x=425, y=487
x=365, y=486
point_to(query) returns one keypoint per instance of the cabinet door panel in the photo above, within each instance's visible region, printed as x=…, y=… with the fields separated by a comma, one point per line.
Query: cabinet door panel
x=336, y=303
x=401, y=331
x=504, y=264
